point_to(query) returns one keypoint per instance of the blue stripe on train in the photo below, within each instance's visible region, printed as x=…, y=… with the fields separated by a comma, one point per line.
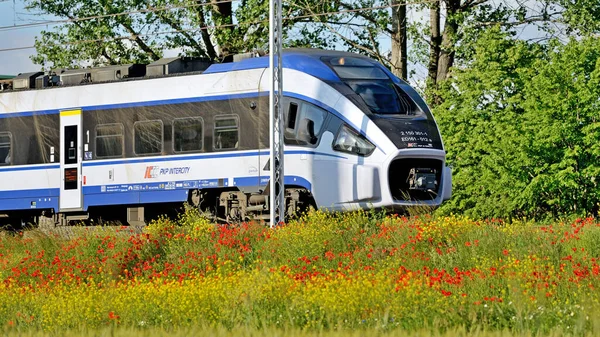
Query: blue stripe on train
x=127, y=198
x=29, y=203
x=36, y=193
x=168, y=159
x=172, y=158
x=29, y=167
x=44, y=198
x=124, y=194
x=135, y=104
x=204, y=156
x=263, y=180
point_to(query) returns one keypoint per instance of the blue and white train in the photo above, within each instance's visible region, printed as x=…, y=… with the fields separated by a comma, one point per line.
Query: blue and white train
x=127, y=140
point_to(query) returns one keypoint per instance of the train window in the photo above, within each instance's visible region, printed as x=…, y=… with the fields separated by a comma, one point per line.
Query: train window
x=109, y=140
x=371, y=83
x=5, y=145
x=357, y=68
x=188, y=134
x=307, y=123
x=226, y=132
x=70, y=144
x=380, y=96
x=148, y=137
x=290, y=120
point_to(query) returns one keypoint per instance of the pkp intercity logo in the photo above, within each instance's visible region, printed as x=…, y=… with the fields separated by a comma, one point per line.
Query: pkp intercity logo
x=152, y=172
x=156, y=171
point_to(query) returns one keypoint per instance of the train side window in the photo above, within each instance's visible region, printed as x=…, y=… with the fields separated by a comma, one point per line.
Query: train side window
x=5, y=148
x=304, y=123
x=226, y=132
x=290, y=120
x=109, y=140
x=148, y=137
x=188, y=134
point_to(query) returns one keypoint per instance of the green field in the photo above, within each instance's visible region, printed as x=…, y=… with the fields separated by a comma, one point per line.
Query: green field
x=326, y=274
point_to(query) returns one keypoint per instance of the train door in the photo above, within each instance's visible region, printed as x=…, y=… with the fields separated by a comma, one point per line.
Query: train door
x=70, y=160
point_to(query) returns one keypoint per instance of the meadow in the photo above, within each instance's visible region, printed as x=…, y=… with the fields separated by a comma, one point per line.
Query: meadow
x=324, y=274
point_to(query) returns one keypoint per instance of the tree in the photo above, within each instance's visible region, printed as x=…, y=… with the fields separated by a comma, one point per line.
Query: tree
x=399, y=37
x=100, y=33
x=466, y=20
x=448, y=35
x=522, y=130
x=206, y=28
x=562, y=113
x=481, y=119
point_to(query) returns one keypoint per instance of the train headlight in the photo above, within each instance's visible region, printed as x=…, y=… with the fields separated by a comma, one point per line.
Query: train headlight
x=348, y=140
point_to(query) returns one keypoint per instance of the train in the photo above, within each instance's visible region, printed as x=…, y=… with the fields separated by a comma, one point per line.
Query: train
x=128, y=140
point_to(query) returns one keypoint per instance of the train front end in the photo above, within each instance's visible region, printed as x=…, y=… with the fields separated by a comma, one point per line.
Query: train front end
x=411, y=162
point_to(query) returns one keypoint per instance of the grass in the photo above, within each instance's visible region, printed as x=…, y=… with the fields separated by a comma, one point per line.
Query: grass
x=324, y=274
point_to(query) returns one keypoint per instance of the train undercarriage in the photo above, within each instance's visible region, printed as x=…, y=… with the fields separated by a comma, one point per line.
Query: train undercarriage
x=238, y=206
x=221, y=205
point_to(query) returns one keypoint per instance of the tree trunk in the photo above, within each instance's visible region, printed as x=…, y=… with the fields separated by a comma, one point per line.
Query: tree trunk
x=138, y=40
x=176, y=25
x=208, y=45
x=435, y=43
x=134, y=36
x=223, y=15
x=446, y=60
x=399, y=50
x=448, y=43
x=224, y=9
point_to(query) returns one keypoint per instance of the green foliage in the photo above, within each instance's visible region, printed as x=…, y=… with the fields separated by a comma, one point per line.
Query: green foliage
x=480, y=123
x=562, y=116
x=97, y=40
x=520, y=124
x=216, y=29
x=191, y=221
x=149, y=28
x=581, y=15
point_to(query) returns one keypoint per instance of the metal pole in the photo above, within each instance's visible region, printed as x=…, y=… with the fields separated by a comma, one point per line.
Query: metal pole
x=277, y=189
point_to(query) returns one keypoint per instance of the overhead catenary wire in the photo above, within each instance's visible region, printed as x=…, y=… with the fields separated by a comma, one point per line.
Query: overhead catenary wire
x=104, y=16
x=131, y=37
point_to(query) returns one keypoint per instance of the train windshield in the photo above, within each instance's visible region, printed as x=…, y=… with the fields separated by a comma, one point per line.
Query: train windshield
x=371, y=83
x=380, y=96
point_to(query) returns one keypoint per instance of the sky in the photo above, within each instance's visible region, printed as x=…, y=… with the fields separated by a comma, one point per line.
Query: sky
x=15, y=62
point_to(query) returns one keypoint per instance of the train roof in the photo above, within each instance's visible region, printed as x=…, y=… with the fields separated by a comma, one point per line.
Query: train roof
x=301, y=59
x=304, y=60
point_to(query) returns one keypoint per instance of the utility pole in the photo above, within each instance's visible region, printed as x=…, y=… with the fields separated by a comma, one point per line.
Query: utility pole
x=276, y=187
